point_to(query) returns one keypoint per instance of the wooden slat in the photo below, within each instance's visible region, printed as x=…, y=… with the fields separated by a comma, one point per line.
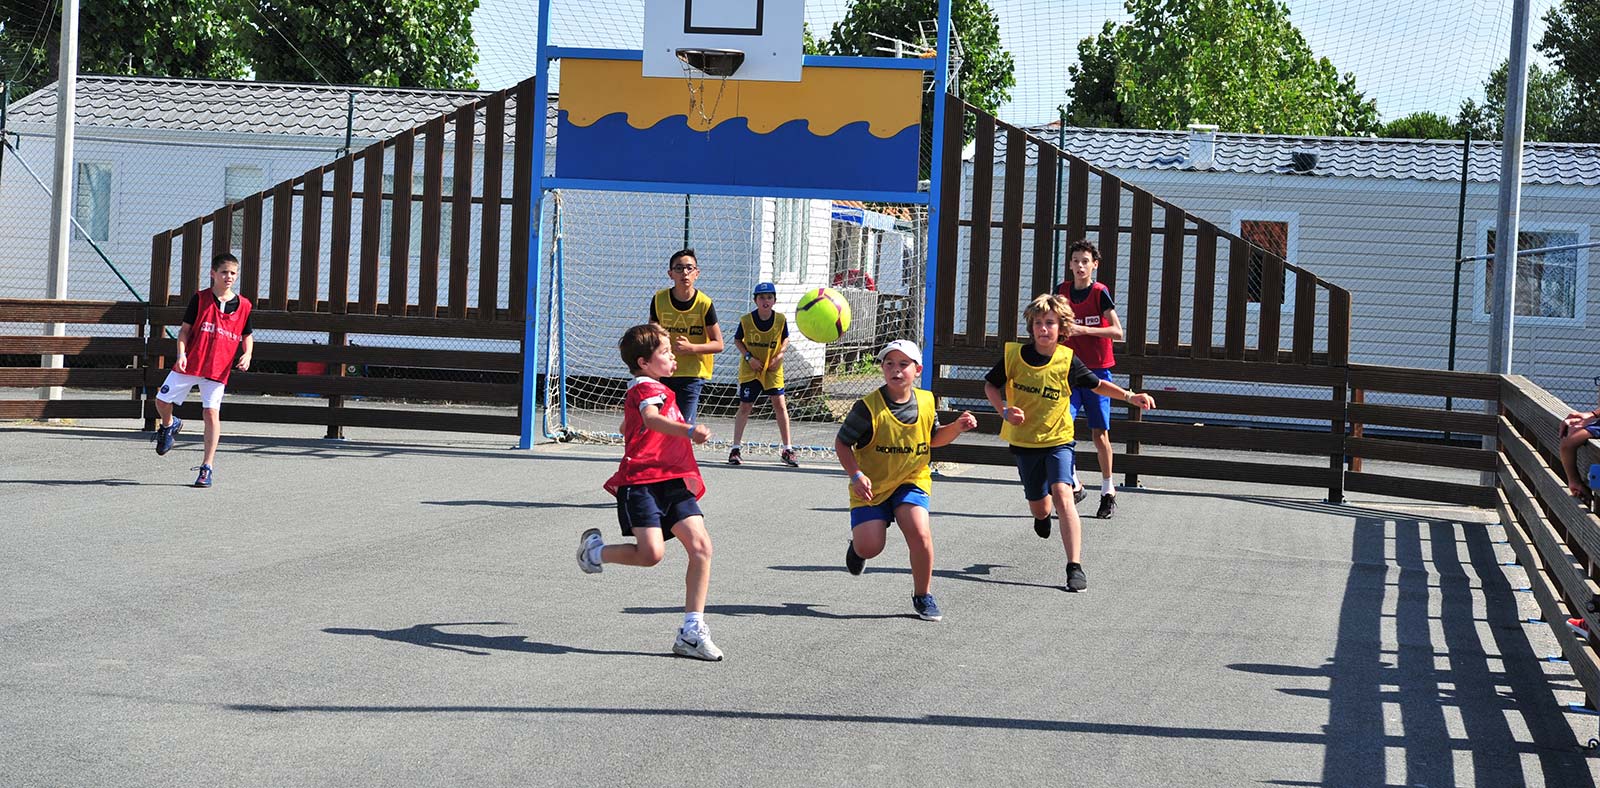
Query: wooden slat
x=311, y=236
x=1205, y=283
x=1474, y=422
x=36, y=345
x=1235, y=320
x=160, y=268
x=1011, y=234
x=1077, y=199
x=190, y=275
x=494, y=121
x=1419, y=489
x=1155, y=465
x=71, y=376
x=1463, y=457
x=982, y=209
x=68, y=409
x=1305, y=316
x=44, y=310
x=1044, y=206
x=1271, y=307
x=221, y=231
x=1435, y=382
x=249, y=251
x=1110, y=219
x=382, y=418
x=522, y=194
x=1221, y=369
x=282, y=243
x=371, y=227
x=1138, y=294
x=1338, y=327
x=1569, y=570
x=367, y=324
x=339, y=236
x=411, y=358
x=1570, y=517
x=395, y=388
x=461, y=211
x=432, y=188
x=400, y=224
x=1232, y=438
x=1186, y=402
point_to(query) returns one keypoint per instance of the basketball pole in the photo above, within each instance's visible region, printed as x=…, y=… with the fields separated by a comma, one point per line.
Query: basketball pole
x=930, y=276
x=530, y=311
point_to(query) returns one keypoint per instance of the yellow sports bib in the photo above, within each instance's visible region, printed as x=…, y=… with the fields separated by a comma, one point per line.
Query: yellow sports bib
x=763, y=345
x=898, y=452
x=689, y=323
x=1043, y=396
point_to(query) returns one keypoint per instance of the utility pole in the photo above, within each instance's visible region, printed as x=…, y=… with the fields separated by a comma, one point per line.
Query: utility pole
x=60, y=214
x=1505, y=233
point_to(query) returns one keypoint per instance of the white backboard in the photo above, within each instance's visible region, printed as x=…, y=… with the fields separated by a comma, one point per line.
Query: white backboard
x=769, y=32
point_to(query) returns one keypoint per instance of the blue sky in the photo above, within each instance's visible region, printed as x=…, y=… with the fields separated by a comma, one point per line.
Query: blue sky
x=1410, y=55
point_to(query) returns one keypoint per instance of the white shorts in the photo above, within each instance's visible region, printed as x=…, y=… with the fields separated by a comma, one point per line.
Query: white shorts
x=176, y=389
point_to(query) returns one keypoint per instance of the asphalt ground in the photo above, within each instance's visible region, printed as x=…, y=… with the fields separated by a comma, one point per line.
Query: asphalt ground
x=404, y=608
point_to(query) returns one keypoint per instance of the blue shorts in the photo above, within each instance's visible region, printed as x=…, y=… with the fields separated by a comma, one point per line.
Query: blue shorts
x=1092, y=406
x=750, y=390
x=655, y=505
x=687, y=390
x=906, y=493
x=1042, y=469
x=1594, y=430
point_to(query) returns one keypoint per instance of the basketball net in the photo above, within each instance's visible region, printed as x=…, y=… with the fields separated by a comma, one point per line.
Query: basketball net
x=697, y=96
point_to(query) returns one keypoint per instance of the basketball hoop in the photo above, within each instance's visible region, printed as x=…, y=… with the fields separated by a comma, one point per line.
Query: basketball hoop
x=702, y=63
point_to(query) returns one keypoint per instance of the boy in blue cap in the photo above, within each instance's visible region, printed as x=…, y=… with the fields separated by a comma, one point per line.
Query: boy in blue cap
x=762, y=337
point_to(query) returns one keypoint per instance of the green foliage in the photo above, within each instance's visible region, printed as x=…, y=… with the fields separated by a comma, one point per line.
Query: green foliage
x=1240, y=64
x=1572, y=28
x=1549, y=116
x=393, y=43
x=1421, y=126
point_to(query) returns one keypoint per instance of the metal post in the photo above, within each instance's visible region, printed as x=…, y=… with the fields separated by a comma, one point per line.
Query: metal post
x=530, y=312
x=1505, y=270
x=61, y=209
x=1461, y=231
x=350, y=127
x=5, y=102
x=1055, y=230
x=930, y=283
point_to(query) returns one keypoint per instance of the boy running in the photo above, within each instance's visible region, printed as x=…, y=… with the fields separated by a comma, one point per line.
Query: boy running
x=883, y=445
x=689, y=317
x=1026, y=389
x=215, y=325
x=761, y=338
x=658, y=486
x=1097, y=326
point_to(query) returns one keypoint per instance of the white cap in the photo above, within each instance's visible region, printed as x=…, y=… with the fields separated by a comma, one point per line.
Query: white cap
x=905, y=346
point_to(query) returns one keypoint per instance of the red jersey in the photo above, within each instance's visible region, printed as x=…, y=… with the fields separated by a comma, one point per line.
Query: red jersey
x=648, y=456
x=214, y=337
x=1094, y=352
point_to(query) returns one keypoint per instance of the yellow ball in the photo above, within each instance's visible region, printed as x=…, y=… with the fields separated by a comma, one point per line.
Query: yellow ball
x=823, y=314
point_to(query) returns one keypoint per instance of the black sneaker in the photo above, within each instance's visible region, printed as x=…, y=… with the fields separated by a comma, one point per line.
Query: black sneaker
x=733, y=456
x=1041, y=526
x=855, y=563
x=787, y=458
x=1079, y=493
x=1076, y=579
x=1108, y=506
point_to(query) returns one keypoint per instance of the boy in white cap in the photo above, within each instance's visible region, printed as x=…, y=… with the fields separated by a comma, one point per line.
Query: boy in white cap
x=883, y=445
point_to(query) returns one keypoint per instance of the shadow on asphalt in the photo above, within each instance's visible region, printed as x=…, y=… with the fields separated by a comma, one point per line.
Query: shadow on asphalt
x=431, y=636
x=802, y=609
x=977, y=573
x=1397, y=562
x=73, y=482
x=525, y=504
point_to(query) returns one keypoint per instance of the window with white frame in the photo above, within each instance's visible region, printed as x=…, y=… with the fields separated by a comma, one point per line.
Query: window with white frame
x=385, y=234
x=1271, y=237
x=1549, y=285
x=238, y=182
x=92, y=201
x=791, y=233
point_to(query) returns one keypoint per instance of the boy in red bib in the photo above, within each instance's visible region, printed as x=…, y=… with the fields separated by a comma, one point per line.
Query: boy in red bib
x=658, y=486
x=215, y=325
x=1095, y=327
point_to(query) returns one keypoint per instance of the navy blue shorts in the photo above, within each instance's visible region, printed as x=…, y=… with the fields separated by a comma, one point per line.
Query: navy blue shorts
x=905, y=493
x=1042, y=469
x=750, y=390
x=1091, y=406
x=655, y=505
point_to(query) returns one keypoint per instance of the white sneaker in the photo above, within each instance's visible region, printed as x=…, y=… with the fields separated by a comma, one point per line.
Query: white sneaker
x=696, y=644
x=586, y=542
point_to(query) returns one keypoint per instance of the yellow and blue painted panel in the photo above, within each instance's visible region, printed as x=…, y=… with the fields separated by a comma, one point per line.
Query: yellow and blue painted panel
x=837, y=128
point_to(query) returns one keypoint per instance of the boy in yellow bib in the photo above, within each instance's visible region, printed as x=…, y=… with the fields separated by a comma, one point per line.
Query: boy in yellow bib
x=689, y=317
x=1031, y=389
x=762, y=337
x=883, y=445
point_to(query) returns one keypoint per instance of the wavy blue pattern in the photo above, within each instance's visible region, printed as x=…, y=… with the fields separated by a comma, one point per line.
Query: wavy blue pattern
x=732, y=154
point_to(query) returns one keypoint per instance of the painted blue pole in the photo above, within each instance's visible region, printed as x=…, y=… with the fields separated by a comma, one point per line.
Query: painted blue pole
x=530, y=313
x=930, y=284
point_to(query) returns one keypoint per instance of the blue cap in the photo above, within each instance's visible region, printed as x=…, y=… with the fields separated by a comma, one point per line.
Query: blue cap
x=766, y=288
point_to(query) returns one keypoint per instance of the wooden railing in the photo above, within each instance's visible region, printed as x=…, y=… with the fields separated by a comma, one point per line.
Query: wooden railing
x=32, y=312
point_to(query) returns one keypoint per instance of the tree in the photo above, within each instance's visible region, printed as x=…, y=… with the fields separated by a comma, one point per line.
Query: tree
x=169, y=38
x=1421, y=126
x=1549, y=114
x=1571, y=31
x=987, y=71
x=1240, y=64
x=394, y=43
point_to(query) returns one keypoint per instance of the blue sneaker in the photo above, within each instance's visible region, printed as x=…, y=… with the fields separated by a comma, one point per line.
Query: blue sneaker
x=927, y=609
x=166, y=435
x=204, y=479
